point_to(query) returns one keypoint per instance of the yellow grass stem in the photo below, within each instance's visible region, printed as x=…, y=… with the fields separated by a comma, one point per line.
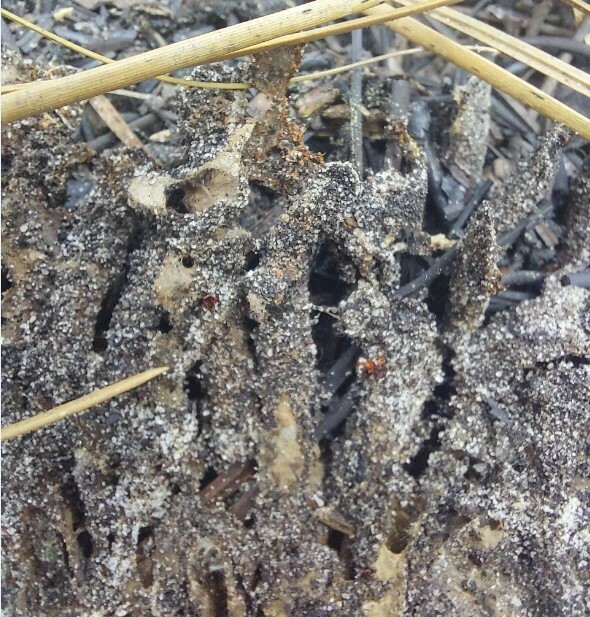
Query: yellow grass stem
x=80, y=404
x=499, y=78
x=69, y=89
x=537, y=59
x=100, y=58
x=391, y=54
x=45, y=96
x=580, y=5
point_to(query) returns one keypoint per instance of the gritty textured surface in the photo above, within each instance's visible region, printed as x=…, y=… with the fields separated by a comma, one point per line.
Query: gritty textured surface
x=206, y=492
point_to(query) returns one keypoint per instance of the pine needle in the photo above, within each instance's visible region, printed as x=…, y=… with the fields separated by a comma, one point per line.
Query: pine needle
x=80, y=404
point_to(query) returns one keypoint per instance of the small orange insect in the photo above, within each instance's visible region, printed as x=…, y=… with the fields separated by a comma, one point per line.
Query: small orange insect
x=368, y=366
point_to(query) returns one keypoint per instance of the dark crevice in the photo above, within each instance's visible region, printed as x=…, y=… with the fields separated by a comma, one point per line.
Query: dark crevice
x=105, y=314
x=411, y=266
x=335, y=538
x=438, y=298
x=250, y=328
x=188, y=261
x=251, y=261
x=114, y=293
x=434, y=408
x=208, y=477
x=85, y=543
x=197, y=394
x=6, y=280
x=71, y=495
x=326, y=285
x=218, y=588
x=66, y=555
x=419, y=462
x=330, y=344
x=143, y=552
x=569, y=358
x=340, y=542
x=336, y=360
x=445, y=390
x=175, y=199
x=164, y=325
x=263, y=209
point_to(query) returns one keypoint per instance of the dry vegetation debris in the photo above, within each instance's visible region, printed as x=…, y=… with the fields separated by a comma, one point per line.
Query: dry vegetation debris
x=458, y=483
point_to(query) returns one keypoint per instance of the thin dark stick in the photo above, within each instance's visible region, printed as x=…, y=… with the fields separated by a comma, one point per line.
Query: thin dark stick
x=578, y=279
x=104, y=141
x=523, y=277
x=427, y=276
x=479, y=194
x=506, y=239
x=560, y=43
x=341, y=369
x=338, y=411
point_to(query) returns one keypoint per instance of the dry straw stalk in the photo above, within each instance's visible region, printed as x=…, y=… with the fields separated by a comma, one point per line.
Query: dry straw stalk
x=499, y=78
x=80, y=404
x=281, y=41
x=45, y=96
x=537, y=59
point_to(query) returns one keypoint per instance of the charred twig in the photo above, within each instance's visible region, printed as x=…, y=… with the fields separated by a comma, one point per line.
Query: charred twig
x=502, y=80
x=337, y=412
x=522, y=278
x=104, y=141
x=509, y=237
x=479, y=194
x=245, y=502
x=509, y=299
x=428, y=276
x=578, y=279
x=341, y=369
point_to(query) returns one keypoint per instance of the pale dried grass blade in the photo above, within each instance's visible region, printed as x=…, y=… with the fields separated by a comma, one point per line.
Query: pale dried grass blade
x=499, y=78
x=341, y=28
x=294, y=39
x=116, y=123
x=179, y=81
x=513, y=47
x=46, y=96
x=580, y=5
x=80, y=404
x=392, y=54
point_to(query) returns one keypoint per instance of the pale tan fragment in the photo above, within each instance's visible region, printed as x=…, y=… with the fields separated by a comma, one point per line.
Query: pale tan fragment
x=389, y=565
x=490, y=538
x=288, y=463
x=219, y=179
x=172, y=283
x=335, y=520
x=149, y=193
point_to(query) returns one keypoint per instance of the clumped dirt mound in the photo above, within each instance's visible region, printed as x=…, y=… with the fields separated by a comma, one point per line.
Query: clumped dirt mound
x=328, y=440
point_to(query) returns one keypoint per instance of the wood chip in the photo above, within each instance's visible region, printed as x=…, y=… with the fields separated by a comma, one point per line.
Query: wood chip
x=116, y=123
